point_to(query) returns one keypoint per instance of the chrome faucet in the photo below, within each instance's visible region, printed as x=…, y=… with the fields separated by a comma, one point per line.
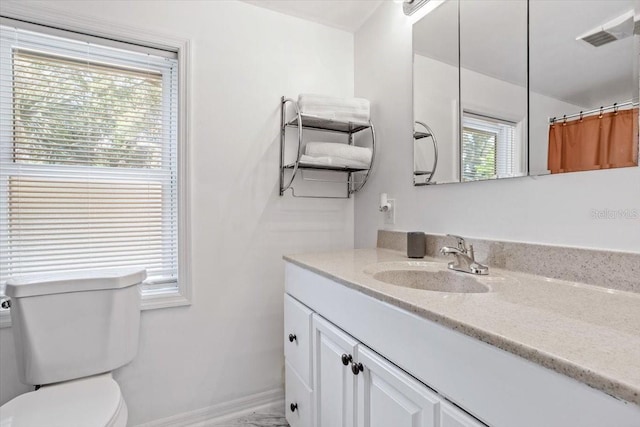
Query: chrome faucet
x=465, y=258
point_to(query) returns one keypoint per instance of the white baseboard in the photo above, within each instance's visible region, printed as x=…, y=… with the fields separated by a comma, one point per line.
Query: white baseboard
x=271, y=399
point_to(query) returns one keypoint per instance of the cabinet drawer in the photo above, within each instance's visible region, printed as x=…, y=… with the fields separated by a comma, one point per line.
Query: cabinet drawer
x=298, y=407
x=297, y=337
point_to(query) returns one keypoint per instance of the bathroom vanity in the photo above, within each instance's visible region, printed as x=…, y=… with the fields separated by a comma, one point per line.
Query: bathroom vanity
x=508, y=349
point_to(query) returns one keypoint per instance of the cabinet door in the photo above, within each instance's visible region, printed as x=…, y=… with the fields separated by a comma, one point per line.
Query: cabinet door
x=450, y=416
x=387, y=396
x=334, y=382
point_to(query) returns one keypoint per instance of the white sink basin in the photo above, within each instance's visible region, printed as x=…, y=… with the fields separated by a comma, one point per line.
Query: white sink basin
x=440, y=281
x=428, y=276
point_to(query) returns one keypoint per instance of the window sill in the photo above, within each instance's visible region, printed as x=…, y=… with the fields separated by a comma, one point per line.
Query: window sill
x=150, y=301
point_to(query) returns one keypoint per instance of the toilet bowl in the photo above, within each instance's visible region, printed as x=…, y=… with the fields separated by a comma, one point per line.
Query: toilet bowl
x=94, y=401
x=70, y=332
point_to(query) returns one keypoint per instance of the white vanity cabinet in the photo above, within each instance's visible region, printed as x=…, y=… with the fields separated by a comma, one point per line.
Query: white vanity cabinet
x=352, y=385
x=416, y=372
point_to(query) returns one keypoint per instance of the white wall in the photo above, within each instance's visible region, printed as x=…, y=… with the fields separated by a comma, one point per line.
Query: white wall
x=549, y=209
x=228, y=344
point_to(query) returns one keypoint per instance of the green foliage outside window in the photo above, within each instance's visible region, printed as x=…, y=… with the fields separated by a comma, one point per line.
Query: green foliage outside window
x=478, y=154
x=74, y=113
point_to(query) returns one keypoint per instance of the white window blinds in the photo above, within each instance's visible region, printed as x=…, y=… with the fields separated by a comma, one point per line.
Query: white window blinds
x=489, y=148
x=88, y=158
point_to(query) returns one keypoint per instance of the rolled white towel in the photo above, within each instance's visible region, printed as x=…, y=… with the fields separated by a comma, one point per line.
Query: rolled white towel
x=343, y=109
x=332, y=161
x=343, y=151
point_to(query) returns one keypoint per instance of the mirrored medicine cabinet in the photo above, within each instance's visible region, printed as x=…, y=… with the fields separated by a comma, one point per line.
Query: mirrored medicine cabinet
x=505, y=89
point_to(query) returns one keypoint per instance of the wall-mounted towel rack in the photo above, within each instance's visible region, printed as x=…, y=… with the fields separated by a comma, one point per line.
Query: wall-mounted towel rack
x=301, y=121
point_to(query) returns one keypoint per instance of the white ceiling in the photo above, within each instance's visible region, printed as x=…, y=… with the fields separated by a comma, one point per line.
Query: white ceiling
x=574, y=70
x=346, y=15
x=493, y=42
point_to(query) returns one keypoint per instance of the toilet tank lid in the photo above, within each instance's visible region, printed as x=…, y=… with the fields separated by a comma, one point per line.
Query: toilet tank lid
x=77, y=281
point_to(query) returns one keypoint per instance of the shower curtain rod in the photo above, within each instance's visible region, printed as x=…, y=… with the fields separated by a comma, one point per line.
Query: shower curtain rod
x=614, y=106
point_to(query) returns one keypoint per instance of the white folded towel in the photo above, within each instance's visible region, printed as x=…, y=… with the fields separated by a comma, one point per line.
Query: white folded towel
x=355, y=110
x=332, y=161
x=361, y=155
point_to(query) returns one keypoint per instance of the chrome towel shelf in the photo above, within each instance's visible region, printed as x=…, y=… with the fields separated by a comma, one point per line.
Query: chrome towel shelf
x=289, y=171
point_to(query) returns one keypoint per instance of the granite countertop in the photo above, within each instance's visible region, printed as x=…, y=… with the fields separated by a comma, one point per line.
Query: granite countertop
x=589, y=333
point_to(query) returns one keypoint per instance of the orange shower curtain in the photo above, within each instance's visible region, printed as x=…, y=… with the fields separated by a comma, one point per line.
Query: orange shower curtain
x=595, y=142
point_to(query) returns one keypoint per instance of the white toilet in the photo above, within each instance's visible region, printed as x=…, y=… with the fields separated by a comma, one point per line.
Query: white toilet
x=70, y=331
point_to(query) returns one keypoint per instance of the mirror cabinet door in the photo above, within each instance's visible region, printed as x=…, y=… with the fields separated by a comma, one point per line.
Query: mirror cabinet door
x=436, y=96
x=493, y=100
x=470, y=92
x=583, y=72
x=493, y=89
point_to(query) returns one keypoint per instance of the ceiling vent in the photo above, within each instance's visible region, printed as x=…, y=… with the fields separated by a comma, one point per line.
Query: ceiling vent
x=617, y=29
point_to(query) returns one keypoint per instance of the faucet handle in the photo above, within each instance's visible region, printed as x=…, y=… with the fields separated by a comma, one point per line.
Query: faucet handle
x=461, y=243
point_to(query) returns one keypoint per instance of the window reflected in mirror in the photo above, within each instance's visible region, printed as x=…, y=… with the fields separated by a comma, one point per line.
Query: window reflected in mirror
x=491, y=148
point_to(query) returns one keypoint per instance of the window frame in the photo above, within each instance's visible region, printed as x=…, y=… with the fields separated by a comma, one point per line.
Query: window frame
x=50, y=21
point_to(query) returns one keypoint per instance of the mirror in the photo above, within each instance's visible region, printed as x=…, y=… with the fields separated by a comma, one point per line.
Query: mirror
x=488, y=109
x=436, y=86
x=583, y=56
x=436, y=95
x=470, y=88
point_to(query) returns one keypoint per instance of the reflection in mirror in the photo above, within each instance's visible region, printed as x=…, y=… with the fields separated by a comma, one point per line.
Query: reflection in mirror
x=493, y=89
x=470, y=87
x=583, y=73
x=435, y=96
x=425, y=148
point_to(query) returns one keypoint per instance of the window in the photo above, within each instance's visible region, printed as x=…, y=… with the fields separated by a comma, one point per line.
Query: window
x=88, y=158
x=490, y=148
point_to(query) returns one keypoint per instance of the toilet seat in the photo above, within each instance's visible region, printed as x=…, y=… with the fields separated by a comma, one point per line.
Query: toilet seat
x=87, y=402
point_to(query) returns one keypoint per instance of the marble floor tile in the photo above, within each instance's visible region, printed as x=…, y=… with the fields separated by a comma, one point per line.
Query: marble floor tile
x=256, y=419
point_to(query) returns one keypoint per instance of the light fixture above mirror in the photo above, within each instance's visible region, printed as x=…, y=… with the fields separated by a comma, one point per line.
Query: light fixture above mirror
x=409, y=7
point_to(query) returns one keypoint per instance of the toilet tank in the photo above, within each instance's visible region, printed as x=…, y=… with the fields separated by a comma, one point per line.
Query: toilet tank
x=74, y=325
